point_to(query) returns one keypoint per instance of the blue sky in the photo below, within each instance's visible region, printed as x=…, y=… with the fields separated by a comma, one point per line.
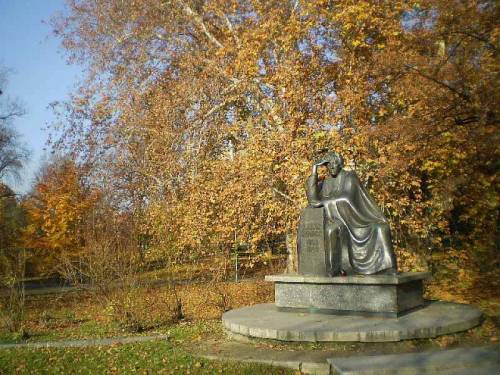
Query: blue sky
x=41, y=74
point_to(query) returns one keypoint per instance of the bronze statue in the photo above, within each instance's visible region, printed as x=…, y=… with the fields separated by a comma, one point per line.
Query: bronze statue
x=357, y=238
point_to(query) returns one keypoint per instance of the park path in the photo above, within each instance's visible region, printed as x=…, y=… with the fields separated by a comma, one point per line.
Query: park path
x=84, y=342
x=481, y=360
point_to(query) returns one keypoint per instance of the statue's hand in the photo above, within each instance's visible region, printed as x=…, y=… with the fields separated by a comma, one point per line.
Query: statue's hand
x=317, y=164
x=321, y=162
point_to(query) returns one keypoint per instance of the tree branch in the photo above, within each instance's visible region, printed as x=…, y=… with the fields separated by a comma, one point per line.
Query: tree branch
x=284, y=195
x=463, y=95
x=199, y=21
x=231, y=28
x=215, y=108
x=12, y=114
x=477, y=37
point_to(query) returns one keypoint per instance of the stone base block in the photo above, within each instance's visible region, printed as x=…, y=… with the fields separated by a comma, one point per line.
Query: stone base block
x=385, y=295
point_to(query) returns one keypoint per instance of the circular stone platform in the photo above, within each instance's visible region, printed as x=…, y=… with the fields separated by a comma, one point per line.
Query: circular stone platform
x=435, y=319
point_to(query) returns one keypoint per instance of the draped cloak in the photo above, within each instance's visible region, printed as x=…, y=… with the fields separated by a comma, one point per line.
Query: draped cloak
x=363, y=240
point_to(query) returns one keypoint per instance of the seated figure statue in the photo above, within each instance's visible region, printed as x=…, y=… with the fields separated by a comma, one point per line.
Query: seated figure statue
x=357, y=238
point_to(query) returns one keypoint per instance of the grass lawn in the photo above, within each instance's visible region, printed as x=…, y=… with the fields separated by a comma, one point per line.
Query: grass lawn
x=79, y=316
x=76, y=315
x=146, y=358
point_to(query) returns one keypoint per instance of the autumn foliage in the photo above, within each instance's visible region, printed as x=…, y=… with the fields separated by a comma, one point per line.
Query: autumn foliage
x=56, y=212
x=205, y=116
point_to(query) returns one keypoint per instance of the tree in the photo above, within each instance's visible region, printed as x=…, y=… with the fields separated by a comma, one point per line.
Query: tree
x=213, y=111
x=12, y=154
x=13, y=259
x=56, y=210
x=12, y=218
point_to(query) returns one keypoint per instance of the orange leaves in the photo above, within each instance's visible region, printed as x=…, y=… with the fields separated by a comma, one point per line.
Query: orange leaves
x=213, y=144
x=56, y=209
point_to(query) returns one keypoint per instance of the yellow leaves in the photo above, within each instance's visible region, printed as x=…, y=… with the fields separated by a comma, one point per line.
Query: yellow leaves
x=348, y=26
x=319, y=135
x=430, y=165
x=56, y=209
x=399, y=128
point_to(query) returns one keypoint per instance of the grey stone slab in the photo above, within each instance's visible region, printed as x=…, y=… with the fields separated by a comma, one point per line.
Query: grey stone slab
x=480, y=370
x=311, y=242
x=304, y=367
x=357, y=279
x=409, y=295
x=307, y=361
x=431, y=362
x=368, y=298
x=435, y=319
x=356, y=298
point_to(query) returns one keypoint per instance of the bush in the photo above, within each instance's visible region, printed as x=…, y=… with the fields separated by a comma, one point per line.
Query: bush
x=12, y=297
x=141, y=309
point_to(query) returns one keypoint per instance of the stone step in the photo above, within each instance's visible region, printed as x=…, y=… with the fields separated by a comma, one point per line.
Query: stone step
x=480, y=360
x=483, y=370
x=267, y=322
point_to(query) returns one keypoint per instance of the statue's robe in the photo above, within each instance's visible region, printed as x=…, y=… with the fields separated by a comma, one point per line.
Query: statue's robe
x=357, y=234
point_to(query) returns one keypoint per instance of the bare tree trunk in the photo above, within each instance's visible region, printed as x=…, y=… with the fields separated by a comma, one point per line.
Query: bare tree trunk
x=291, y=249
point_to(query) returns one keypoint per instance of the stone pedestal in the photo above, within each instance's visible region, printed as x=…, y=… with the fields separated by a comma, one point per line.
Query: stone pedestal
x=267, y=322
x=373, y=308
x=384, y=295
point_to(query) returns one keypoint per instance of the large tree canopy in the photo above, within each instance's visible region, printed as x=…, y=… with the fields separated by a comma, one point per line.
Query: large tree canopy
x=205, y=115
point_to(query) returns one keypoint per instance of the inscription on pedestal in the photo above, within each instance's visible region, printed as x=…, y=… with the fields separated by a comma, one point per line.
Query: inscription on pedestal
x=311, y=243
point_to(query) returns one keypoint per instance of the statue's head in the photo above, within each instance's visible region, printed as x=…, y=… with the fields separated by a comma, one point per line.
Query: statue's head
x=335, y=162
